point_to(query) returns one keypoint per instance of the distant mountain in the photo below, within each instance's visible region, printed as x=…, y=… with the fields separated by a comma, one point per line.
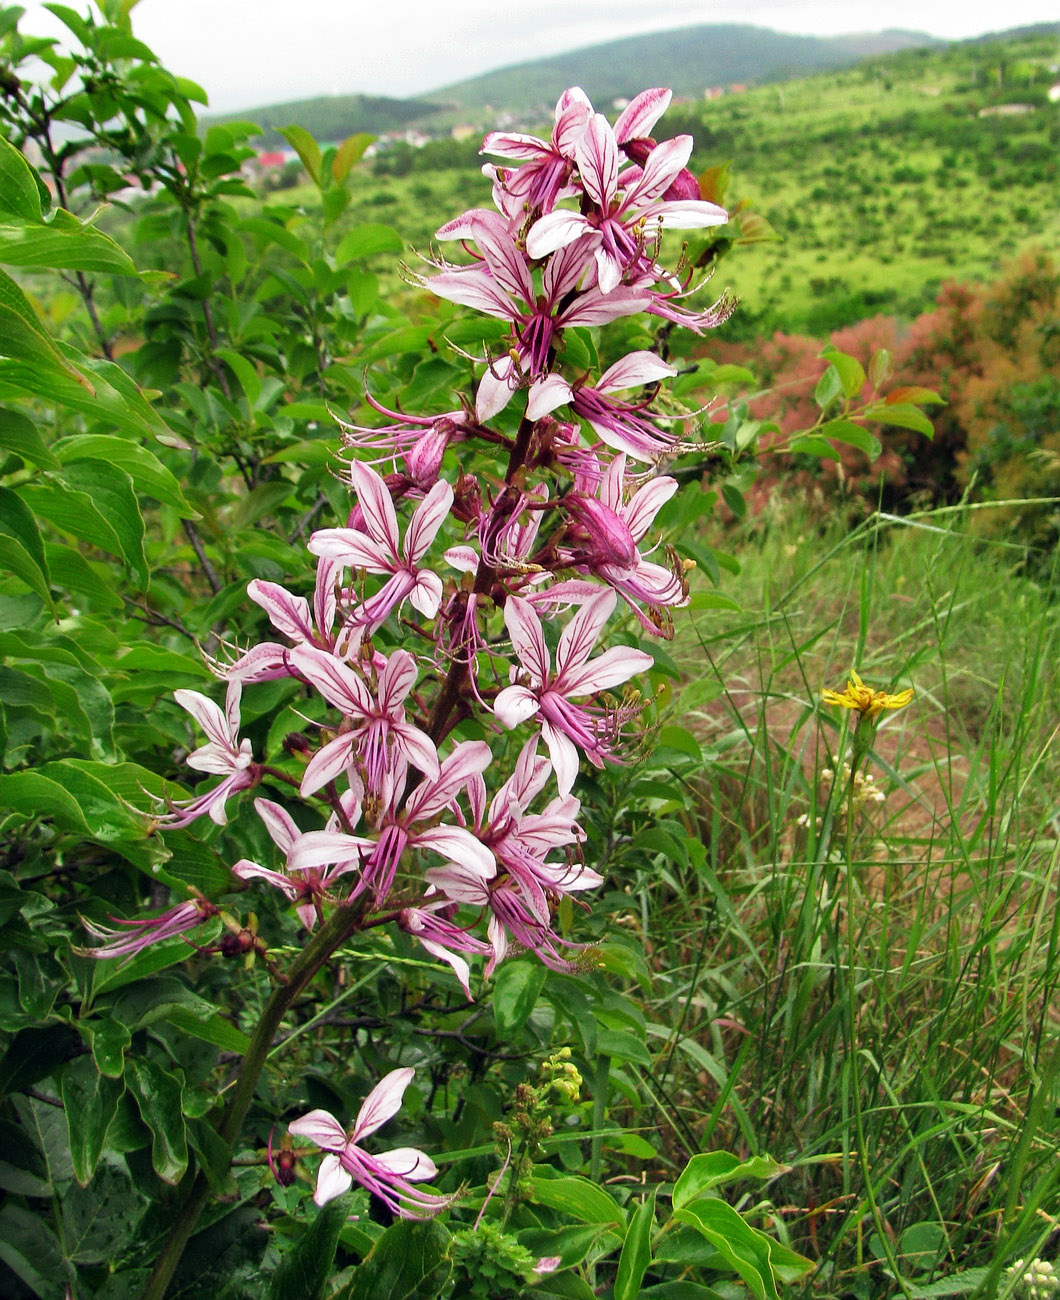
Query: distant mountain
x=332, y=117
x=688, y=60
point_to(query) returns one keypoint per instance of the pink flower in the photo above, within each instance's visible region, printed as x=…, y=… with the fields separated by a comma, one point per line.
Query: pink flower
x=377, y=732
x=313, y=858
x=628, y=213
x=547, y=165
x=389, y=1175
x=565, y=726
x=379, y=549
x=138, y=935
x=223, y=755
x=442, y=937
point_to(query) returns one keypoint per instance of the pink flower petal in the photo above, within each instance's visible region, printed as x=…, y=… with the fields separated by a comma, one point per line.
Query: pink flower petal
x=640, y=114
x=633, y=370
x=377, y=506
x=556, y=230
x=288, y=614
x=524, y=627
x=327, y=764
x=339, y=684
x=207, y=714
x=351, y=546
x=407, y=1162
x=416, y=747
x=278, y=822
x=597, y=155
x=564, y=756
x=429, y=517
x=382, y=1103
x=661, y=166
x=610, y=669
x=546, y=395
x=514, y=705
x=332, y=1181
x=580, y=635
x=321, y=1127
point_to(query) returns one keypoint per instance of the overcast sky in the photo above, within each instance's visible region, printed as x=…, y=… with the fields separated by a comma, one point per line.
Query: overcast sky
x=247, y=53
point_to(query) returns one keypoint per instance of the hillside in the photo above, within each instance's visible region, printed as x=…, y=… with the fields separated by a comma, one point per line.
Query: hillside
x=332, y=117
x=688, y=60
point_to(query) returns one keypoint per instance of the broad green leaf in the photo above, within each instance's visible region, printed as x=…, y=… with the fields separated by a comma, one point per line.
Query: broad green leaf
x=578, y=1197
x=72, y=572
x=304, y=1271
x=29, y=1248
x=714, y=182
x=410, y=1261
x=64, y=243
x=143, y=467
x=636, y=1250
x=157, y=1095
x=214, y=1157
x=306, y=148
x=571, y=1244
x=850, y=370
x=902, y=415
x=104, y=493
x=350, y=152
x=715, y=1168
x=109, y=1040
x=23, y=337
x=107, y=816
x=919, y=397
x=366, y=240
x=100, y=1221
x=34, y=795
x=971, y=1279
x=853, y=434
x=91, y=1101
x=516, y=987
x=22, y=1169
x=758, y=1259
x=72, y=19
x=215, y=1029
x=828, y=388
x=19, y=434
x=33, y=1054
x=113, y=974
x=246, y=374
x=19, y=195
x=23, y=551
x=46, y=1125
x=813, y=445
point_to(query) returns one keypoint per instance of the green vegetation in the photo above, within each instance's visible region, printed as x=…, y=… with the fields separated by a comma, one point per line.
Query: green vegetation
x=331, y=118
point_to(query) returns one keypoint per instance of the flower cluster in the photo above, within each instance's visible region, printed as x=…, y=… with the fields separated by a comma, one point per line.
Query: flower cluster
x=415, y=628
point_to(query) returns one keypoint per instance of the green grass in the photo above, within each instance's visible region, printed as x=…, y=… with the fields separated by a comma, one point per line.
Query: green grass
x=875, y=1005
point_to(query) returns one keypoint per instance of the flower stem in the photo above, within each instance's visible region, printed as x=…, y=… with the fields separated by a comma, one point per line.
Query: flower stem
x=345, y=921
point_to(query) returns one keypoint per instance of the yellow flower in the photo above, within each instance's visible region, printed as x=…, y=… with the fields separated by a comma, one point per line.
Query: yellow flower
x=866, y=702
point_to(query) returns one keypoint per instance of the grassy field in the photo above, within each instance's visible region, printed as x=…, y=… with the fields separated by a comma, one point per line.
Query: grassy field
x=872, y=999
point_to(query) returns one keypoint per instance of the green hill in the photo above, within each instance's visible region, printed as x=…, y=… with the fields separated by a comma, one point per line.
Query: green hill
x=332, y=117
x=687, y=60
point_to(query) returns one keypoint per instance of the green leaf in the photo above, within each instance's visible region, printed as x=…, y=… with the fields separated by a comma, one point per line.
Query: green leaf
x=33, y=1054
x=19, y=194
x=410, y=1261
x=157, y=1095
x=829, y=387
x=29, y=1248
x=306, y=148
x=854, y=435
x=971, y=1279
x=850, y=370
x=715, y=1168
x=109, y=1040
x=216, y=1029
x=72, y=19
x=19, y=434
x=111, y=499
x=758, y=1259
x=366, y=240
x=63, y=243
x=903, y=415
x=813, y=445
x=143, y=467
x=636, y=1250
x=22, y=553
x=23, y=337
x=100, y=1221
x=516, y=987
x=107, y=817
x=571, y=1244
x=350, y=152
x=578, y=1197
x=33, y=795
x=246, y=374
x=304, y=1271
x=91, y=1101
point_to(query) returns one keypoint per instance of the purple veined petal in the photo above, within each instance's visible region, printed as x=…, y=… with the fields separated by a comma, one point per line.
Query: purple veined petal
x=396, y=680
x=332, y=1181
x=546, y=395
x=321, y=1127
x=377, y=506
x=283, y=831
x=573, y=111
x=351, y=546
x=612, y=668
x=426, y=596
x=580, y=635
x=207, y=714
x=460, y=968
x=647, y=502
x=382, y=1103
x=324, y=599
x=459, y=884
x=407, y=1162
x=430, y=797
x=429, y=517
x=504, y=258
x=288, y=614
x=556, y=230
x=597, y=156
x=458, y=845
x=463, y=558
x=327, y=764
x=594, y=307
x=661, y=166
x=337, y=682
x=322, y=848
x=474, y=287
x=232, y=697
x=563, y=271
x=688, y=214
x=261, y=663
x=307, y=914
x=247, y=870
x=416, y=747
x=640, y=114
x=462, y=227
x=215, y=806
x=514, y=705
x=494, y=390
x=564, y=756
x=528, y=639
x=612, y=486
x=634, y=370
x=511, y=144
x=211, y=758
x=609, y=269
